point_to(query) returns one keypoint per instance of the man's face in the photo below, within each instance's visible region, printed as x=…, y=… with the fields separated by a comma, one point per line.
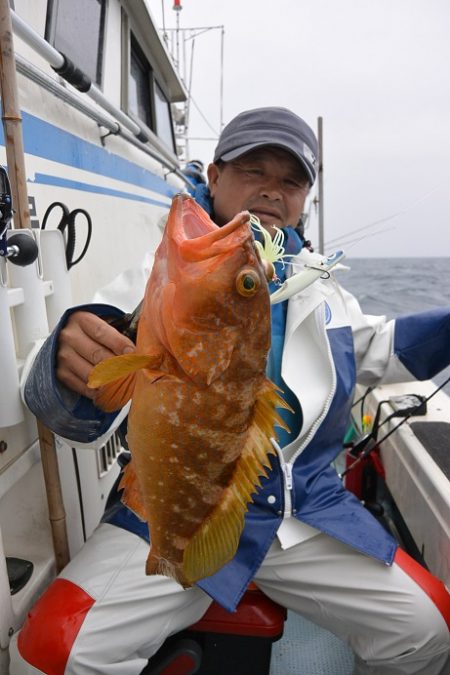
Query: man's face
x=268, y=182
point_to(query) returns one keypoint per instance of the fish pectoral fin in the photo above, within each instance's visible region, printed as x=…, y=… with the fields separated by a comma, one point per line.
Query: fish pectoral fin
x=132, y=495
x=116, y=377
x=115, y=395
x=117, y=367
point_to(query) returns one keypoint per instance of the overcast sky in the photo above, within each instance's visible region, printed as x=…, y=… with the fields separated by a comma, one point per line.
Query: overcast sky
x=376, y=71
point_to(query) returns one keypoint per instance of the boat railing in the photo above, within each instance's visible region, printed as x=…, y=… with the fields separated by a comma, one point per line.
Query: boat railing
x=121, y=124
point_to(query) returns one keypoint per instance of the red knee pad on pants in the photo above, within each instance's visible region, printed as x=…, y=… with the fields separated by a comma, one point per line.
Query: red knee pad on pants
x=432, y=586
x=51, y=627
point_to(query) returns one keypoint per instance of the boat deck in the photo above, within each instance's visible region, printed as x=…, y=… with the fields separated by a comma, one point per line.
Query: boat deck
x=307, y=649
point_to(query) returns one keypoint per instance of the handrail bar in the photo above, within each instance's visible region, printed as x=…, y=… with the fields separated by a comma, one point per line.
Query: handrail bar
x=121, y=122
x=58, y=61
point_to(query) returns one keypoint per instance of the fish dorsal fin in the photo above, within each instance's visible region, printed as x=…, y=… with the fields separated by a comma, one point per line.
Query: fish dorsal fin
x=216, y=541
x=116, y=377
x=132, y=495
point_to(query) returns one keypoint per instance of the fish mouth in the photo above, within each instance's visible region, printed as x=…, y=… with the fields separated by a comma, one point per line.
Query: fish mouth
x=197, y=237
x=190, y=220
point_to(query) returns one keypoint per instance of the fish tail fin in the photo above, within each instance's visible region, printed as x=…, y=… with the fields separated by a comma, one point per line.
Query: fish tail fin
x=116, y=378
x=132, y=495
x=156, y=564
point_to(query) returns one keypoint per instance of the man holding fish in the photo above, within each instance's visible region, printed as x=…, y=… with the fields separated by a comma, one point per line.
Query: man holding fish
x=231, y=489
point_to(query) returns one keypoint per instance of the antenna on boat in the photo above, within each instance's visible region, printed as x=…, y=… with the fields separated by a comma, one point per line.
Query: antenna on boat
x=12, y=124
x=178, y=41
x=177, y=7
x=319, y=198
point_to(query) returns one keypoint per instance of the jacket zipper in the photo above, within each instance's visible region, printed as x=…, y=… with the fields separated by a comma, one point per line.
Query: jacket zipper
x=287, y=470
x=287, y=467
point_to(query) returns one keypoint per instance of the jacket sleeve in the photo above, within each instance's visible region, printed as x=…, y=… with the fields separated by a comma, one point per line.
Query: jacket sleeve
x=67, y=414
x=422, y=342
x=410, y=347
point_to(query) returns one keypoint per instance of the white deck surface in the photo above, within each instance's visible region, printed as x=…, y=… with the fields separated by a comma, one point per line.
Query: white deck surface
x=306, y=649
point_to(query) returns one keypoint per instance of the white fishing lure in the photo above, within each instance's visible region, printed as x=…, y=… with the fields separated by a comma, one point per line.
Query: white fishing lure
x=272, y=250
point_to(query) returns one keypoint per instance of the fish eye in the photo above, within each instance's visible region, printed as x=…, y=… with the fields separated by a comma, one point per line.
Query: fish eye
x=247, y=283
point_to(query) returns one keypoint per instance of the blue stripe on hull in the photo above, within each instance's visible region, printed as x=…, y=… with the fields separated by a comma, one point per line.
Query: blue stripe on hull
x=50, y=142
x=46, y=179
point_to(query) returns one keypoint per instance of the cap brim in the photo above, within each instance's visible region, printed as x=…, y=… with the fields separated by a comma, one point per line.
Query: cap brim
x=234, y=154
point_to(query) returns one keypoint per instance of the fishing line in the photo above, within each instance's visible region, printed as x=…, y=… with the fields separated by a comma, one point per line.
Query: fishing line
x=204, y=118
x=376, y=443
x=350, y=243
x=337, y=240
x=361, y=398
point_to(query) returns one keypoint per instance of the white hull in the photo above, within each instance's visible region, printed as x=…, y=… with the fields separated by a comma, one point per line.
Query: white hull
x=126, y=187
x=416, y=481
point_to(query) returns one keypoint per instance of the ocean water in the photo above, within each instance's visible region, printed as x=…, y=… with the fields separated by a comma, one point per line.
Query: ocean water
x=398, y=286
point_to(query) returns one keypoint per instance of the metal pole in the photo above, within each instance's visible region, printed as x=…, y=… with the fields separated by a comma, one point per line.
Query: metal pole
x=222, y=40
x=12, y=125
x=320, y=183
x=187, y=108
x=177, y=34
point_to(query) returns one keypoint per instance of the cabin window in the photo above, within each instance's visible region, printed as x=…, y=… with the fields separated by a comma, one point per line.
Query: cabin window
x=146, y=99
x=141, y=75
x=163, y=118
x=76, y=29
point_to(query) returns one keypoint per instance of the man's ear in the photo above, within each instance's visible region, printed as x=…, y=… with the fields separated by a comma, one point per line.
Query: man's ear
x=213, y=176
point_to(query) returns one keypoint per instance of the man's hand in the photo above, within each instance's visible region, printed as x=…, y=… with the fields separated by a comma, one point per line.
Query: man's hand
x=86, y=340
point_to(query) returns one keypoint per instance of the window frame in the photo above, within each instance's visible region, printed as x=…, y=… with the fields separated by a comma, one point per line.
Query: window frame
x=130, y=36
x=50, y=35
x=150, y=121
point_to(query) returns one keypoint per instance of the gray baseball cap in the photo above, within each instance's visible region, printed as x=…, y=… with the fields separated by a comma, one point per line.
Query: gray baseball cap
x=273, y=126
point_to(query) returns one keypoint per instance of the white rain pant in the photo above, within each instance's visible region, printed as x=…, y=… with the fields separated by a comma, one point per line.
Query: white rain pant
x=388, y=620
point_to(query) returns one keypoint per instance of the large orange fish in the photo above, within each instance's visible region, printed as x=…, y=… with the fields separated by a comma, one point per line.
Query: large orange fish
x=202, y=411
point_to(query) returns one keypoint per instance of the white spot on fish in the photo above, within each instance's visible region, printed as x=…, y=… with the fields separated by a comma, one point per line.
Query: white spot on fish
x=191, y=518
x=195, y=351
x=173, y=418
x=180, y=542
x=220, y=412
x=179, y=399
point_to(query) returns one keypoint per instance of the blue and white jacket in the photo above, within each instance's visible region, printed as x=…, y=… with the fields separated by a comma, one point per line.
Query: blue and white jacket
x=329, y=345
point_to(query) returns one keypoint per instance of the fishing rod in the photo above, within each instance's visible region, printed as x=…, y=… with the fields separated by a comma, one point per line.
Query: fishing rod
x=368, y=443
